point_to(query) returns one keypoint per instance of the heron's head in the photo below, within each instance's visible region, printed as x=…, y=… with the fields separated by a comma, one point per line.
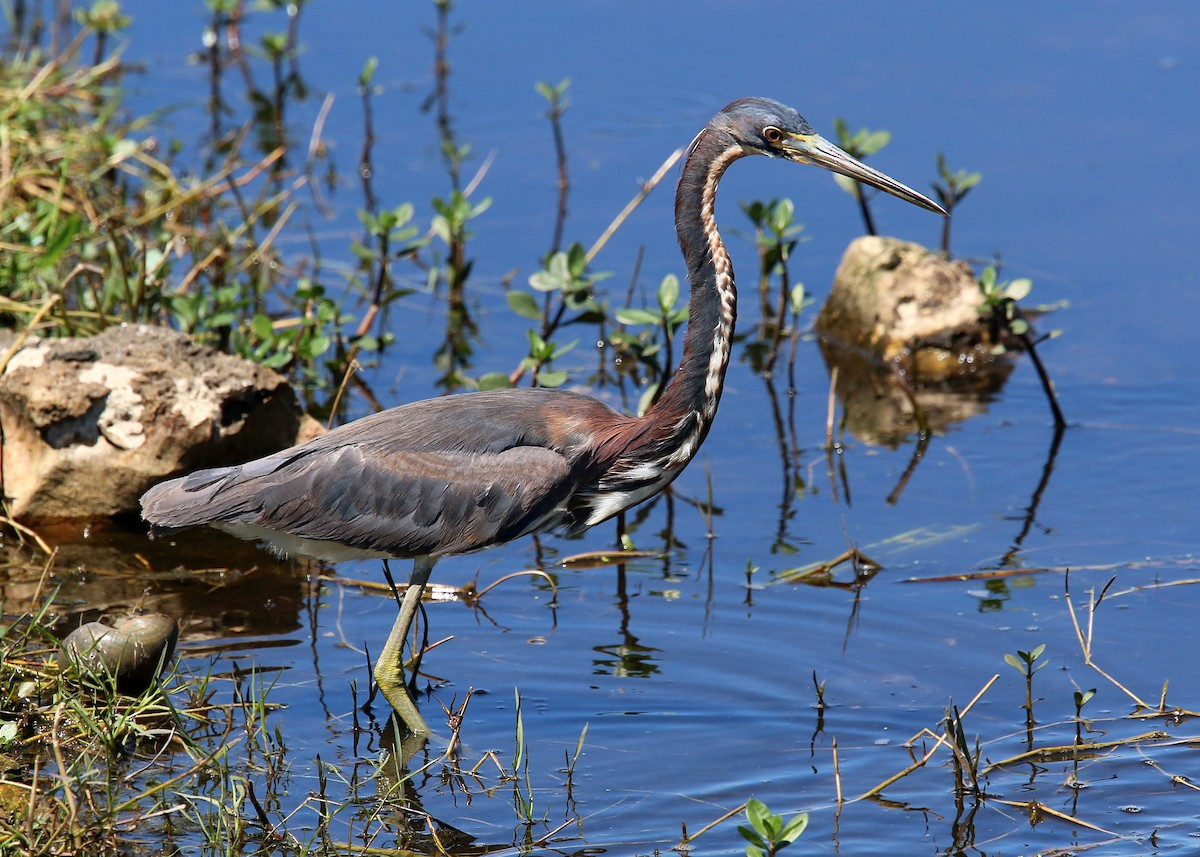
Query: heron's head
x=765, y=127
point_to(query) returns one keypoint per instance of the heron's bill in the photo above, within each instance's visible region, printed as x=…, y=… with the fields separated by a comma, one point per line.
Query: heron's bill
x=816, y=150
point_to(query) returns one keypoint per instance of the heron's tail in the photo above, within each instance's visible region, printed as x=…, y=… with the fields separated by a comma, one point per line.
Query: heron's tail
x=193, y=500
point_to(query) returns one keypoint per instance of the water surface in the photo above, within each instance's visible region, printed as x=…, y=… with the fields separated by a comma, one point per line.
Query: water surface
x=697, y=688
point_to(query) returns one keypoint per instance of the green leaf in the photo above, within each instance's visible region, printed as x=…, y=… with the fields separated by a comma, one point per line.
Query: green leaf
x=545, y=281
x=560, y=350
x=315, y=346
x=798, y=297
x=1014, y=662
x=60, y=241
x=537, y=345
x=552, y=378
x=1018, y=289
x=494, y=381
x=847, y=184
x=576, y=260
x=524, y=305
x=261, y=325
x=757, y=813
x=782, y=215
x=875, y=141
x=637, y=316
x=751, y=836
x=792, y=830
x=646, y=398
x=668, y=292
x=368, y=71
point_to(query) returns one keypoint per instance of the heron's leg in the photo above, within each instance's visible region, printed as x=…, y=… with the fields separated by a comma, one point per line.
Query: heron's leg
x=389, y=667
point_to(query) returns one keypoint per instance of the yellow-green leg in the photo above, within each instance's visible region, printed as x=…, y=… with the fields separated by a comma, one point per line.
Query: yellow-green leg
x=389, y=667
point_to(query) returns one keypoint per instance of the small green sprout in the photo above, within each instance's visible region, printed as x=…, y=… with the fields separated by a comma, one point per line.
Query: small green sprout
x=767, y=832
x=1000, y=300
x=952, y=190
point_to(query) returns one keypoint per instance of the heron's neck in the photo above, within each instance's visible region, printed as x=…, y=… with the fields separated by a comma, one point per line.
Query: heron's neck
x=689, y=403
x=652, y=451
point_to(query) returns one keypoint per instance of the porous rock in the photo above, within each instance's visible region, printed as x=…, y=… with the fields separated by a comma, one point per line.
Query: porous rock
x=904, y=303
x=89, y=424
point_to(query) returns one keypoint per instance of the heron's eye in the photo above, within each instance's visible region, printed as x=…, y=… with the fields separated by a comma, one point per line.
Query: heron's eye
x=772, y=135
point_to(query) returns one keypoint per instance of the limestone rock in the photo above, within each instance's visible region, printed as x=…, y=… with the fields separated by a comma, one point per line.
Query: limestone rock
x=89, y=424
x=904, y=303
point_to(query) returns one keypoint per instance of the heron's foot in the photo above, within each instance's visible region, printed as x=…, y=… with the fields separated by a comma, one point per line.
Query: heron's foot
x=389, y=676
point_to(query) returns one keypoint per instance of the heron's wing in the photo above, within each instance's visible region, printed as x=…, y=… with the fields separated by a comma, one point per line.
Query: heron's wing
x=404, y=503
x=442, y=476
x=411, y=503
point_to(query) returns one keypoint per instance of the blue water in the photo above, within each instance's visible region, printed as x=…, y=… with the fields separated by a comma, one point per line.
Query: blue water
x=1082, y=120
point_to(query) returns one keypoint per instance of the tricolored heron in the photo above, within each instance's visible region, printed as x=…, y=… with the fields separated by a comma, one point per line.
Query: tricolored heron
x=461, y=473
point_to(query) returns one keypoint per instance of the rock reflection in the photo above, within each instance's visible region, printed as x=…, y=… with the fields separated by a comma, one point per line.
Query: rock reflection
x=881, y=407
x=218, y=587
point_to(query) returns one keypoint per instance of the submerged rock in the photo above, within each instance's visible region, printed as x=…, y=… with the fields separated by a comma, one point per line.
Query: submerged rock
x=89, y=424
x=130, y=654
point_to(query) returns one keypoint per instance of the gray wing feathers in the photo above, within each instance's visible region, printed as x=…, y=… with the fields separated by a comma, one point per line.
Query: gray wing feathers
x=404, y=503
x=441, y=476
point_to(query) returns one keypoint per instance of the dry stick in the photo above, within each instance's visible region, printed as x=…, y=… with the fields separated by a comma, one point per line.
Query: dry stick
x=534, y=572
x=198, y=269
x=1075, y=850
x=940, y=739
x=265, y=244
x=477, y=179
x=26, y=531
x=1065, y=749
x=832, y=402
x=314, y=146
x=1085, y=641
x=36, y=598
x=1148, y=586
x=24, y=334
x=352, y=366
x=5, y=164
x=50, y=67
x=693, y=837
x=1061, y=569
x=647, y=187
x=56, y=746
x=1034, y=806
x=837, y=776
x=1176, y=779
x=211, y=188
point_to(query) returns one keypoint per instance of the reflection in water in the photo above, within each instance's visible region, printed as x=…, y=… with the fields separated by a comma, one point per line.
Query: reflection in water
x=219, y=588
x=882, y=409
x=1030, y=516
x=627, y=658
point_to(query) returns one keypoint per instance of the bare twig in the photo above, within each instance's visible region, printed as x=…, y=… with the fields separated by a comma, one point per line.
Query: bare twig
x=641, y=195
